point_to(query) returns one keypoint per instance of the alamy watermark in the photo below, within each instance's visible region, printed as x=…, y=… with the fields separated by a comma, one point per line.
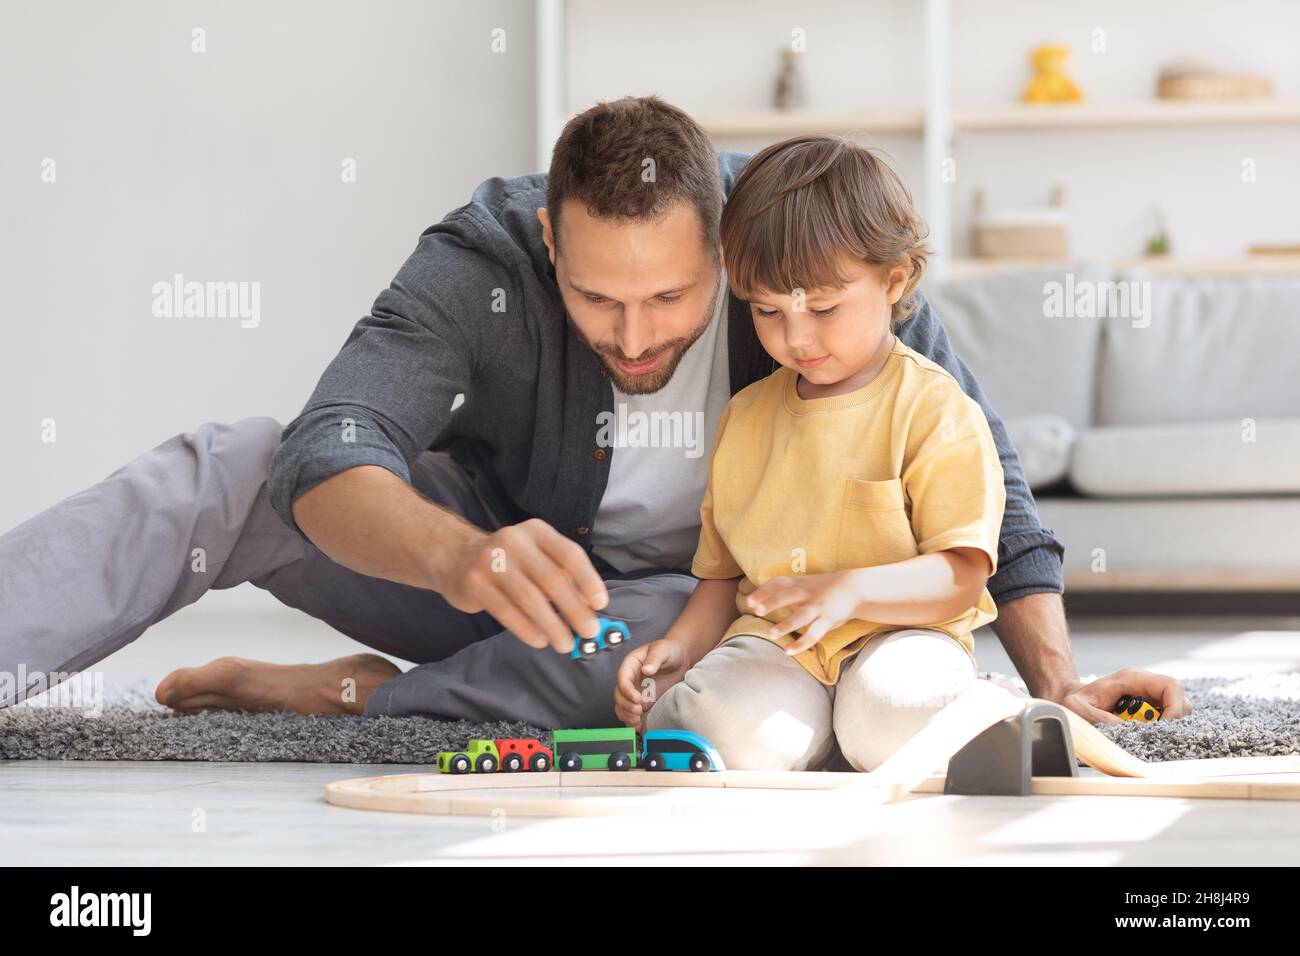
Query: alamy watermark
x=1089, y=299
x=622, y=428
x=179, y=299
x=80, y=690
x=74, y=908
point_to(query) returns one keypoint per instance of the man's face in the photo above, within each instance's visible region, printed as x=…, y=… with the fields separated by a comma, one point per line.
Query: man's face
x=639, y=293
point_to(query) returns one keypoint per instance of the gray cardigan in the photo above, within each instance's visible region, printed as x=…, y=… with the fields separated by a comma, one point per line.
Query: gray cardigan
x=476, y=311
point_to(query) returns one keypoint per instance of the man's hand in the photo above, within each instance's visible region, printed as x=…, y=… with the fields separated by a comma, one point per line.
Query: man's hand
x=1033, y=631
x=821, y=601
x=1093, y=702
x=516, y=574
x=645, y=675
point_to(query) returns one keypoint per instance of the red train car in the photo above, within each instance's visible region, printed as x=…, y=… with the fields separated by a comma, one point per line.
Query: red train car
x=523, y=753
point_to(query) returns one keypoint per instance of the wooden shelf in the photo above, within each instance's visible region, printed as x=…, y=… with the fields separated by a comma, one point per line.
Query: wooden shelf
x=1226, y=267
x=1141, y=114
x=796, y=122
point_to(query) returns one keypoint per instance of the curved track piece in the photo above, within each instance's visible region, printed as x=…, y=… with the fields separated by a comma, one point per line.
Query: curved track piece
x=910, y=769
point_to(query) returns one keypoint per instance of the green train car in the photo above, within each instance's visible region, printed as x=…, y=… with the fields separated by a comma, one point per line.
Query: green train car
x=608, y=748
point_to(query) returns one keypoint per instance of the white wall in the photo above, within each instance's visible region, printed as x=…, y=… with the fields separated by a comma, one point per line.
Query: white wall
x=224, y=165
x=869, y=54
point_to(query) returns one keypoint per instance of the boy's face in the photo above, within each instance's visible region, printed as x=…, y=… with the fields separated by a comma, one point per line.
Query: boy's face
x=831, y=335
x=638, y=293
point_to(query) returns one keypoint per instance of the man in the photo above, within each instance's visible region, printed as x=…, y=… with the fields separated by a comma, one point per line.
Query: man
x=451, y=494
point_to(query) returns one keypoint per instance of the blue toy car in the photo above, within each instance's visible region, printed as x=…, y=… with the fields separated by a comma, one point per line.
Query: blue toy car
x=612, y=634
x=679, y=750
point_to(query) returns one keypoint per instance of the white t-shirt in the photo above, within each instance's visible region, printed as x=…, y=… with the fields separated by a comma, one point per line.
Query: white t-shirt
x=649, y=515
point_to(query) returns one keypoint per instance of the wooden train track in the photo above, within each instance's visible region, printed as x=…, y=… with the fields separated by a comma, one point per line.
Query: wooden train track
x=909, y=770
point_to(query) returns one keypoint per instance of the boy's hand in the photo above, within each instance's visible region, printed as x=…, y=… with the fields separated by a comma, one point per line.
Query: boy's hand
x=644, y=676
x=822, y=602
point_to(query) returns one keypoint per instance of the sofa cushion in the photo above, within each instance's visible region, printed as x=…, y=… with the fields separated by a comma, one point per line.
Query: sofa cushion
x=1209, y=458
x=1028, y=359
x=1044, y=443
x=1210, y=349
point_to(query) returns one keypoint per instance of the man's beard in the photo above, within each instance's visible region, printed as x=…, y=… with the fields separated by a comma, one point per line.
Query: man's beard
x=647, y=383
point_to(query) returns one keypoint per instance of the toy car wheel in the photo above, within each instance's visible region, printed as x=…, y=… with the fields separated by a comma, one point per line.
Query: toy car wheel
x=588, y=648
x=459, y=764
x=615, y=636
x=486, y=763
x=570, y=761
x=655, y=762
x=700, y=762
x=619, y=761
x=512, y=763
x=540, y=763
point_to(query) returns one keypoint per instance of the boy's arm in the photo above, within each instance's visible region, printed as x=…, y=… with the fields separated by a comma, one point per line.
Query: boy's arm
x=927, y=589
x=712, y=606
x=708, y=613
x=647, y=672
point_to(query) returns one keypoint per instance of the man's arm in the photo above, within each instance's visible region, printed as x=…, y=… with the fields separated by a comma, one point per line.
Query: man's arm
x=1033, y=631
x=1029, y=556
x=1028, y=585
x=387, y=396
x=369, y=520
x=341, y=476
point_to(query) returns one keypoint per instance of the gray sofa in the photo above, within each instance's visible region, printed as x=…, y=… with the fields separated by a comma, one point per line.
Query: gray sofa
x=1158, y=420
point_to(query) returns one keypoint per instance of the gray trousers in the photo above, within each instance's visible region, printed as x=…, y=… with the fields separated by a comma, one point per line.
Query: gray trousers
x=92, y=573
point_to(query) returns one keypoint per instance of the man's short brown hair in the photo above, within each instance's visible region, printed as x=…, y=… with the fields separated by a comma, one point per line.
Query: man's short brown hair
x=800, y=205
x=634, y=158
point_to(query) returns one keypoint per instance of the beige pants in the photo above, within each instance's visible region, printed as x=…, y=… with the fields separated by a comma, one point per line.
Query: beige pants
x=763, y=711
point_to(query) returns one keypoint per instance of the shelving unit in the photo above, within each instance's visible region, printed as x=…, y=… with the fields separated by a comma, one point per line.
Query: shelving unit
x=938, y=123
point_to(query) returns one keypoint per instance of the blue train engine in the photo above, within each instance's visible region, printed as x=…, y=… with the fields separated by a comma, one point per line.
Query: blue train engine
x=679, y=750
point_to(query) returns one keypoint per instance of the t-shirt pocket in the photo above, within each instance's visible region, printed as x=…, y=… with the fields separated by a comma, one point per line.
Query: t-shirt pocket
x=875, y=527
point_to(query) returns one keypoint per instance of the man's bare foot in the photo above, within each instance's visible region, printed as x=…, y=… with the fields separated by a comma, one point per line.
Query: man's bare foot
x=233, y=683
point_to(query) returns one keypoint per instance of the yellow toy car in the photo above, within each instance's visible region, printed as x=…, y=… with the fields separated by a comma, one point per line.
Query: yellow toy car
x=1136, y=708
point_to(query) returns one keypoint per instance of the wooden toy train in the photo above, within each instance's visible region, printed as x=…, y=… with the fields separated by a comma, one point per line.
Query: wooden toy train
x=610, y=748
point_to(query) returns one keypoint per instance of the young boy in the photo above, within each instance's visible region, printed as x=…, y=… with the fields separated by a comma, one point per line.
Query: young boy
x=854, y=497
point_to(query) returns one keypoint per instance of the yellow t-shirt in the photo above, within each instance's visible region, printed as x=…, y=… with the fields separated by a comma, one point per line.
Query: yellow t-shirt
x=904, y=465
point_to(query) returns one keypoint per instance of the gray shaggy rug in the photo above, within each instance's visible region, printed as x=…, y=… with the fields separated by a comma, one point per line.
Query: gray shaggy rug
x=1233, y=718
x=126, y=723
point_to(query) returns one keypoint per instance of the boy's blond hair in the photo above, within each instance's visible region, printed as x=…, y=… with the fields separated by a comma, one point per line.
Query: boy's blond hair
x=800, y=205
